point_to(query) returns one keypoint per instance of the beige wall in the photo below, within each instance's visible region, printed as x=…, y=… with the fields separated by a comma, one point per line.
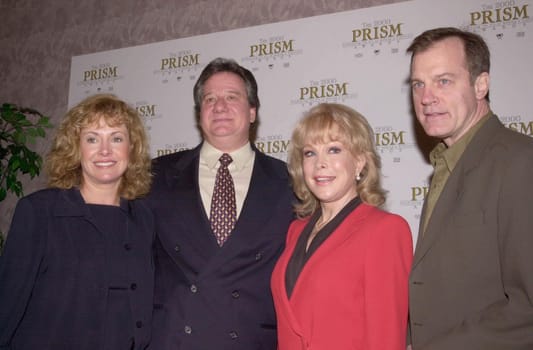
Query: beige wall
x=38, y=38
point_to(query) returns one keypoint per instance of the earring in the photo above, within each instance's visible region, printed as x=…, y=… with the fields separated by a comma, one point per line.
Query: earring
x=358, y=177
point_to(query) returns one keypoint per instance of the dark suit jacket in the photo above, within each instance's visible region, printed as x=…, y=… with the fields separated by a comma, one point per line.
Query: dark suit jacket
x=471, y=285
x=53, y=275
x=206, y=296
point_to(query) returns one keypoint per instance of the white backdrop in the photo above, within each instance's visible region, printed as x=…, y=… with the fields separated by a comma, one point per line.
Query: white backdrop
x=356, y=57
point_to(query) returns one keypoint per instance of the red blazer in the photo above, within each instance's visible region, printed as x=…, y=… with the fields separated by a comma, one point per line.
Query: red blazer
x=352, y=293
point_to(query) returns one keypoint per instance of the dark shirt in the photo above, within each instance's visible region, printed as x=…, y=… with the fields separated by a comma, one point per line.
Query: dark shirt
x=300, y=256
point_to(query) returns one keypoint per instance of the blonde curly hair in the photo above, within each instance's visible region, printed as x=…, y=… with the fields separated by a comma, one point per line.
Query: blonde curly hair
x=335, y=122
x=63, y=162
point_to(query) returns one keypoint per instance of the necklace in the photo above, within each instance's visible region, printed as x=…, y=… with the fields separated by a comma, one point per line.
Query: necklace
x=319, y=225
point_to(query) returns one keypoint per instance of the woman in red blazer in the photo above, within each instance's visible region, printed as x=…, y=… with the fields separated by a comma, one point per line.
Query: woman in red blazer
x=342, y=281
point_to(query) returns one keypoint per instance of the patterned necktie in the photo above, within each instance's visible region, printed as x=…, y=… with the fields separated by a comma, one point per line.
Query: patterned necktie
x=223, y=207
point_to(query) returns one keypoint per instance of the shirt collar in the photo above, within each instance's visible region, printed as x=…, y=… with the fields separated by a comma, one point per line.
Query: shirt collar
x=451, y=155
x=210, y=155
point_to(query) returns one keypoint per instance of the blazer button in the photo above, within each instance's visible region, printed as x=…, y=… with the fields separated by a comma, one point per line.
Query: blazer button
x=258, y=256
x=187, y=329
x=193, y=288
x=133, y=286
x=177, y=248
x=139, y=324
x=233, y=335
x=235, y=294
x=127, y=247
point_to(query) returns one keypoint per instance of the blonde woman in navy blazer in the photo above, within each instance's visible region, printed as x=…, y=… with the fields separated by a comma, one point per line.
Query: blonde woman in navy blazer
x=341, y=282
x=77, y=269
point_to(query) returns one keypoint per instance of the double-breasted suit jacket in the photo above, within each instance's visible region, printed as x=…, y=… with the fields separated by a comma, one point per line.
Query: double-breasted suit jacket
x=471, y=284
x=211, y=297
x=352, y=292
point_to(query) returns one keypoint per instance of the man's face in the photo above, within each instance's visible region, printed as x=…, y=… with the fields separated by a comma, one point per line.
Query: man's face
x=225, y=114
x=446, y=102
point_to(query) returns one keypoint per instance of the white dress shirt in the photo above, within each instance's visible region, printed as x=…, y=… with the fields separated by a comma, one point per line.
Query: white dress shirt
x=240, y=169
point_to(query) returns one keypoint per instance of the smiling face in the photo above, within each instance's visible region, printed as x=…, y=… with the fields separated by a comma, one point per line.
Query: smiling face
x=225, y=113
x=446, y=101
x=329, y=171
x=104, y=154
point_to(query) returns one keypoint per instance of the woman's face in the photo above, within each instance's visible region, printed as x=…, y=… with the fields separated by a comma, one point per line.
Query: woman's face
x=104, y=154
x=329, y=172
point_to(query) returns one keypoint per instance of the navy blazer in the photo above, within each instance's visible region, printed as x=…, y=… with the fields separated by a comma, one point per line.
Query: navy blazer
x=53, y=290
x=206, y=296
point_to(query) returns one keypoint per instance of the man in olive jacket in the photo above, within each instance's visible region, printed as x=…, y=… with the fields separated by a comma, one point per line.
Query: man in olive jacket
x=471, y=284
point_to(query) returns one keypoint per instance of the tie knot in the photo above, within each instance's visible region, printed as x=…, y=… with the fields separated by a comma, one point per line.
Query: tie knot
x=225, y=159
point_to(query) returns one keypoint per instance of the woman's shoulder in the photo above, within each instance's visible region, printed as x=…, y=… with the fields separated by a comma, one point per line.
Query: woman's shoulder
x=299, y=223
x=52, y=200
x=380, y=213
x=44, y=195
x=379, y=222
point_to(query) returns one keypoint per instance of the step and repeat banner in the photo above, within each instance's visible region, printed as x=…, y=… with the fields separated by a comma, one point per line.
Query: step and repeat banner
x=356, y=58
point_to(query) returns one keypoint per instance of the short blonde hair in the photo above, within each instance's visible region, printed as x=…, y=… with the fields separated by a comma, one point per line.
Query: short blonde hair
x=63, y=163
x=335, y=122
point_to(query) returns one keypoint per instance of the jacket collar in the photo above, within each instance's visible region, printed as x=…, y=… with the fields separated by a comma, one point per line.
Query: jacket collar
x=474, y=154
x=71, y=203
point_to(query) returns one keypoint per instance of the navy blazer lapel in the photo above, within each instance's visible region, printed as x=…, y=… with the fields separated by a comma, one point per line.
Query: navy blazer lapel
x=190, y=217
x=264, y=189
x=182, y=168
x=453, y=190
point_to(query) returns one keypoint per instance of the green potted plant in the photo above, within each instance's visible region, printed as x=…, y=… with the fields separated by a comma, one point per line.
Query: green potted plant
x=19, y=128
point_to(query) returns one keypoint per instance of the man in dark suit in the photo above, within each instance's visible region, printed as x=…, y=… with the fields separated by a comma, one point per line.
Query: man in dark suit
x=212, y=289
x=471, y=284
